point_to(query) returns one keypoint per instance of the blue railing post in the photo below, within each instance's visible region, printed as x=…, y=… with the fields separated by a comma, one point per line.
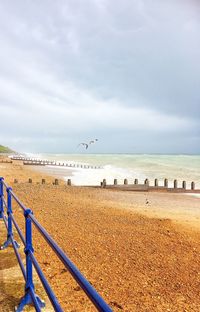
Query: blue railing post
x=9, y=213
x=1, y=198
x=30, y=297
x=28, y=249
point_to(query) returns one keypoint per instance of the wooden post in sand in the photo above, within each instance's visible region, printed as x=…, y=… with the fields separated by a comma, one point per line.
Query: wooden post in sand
x=29, y=180
x=69, y=182
x=136, y=181
x=146, y=182
x=156, y=182
x=165, y=182
x=56, y=182
x=115, y=181
x=184, y=185
x=104, y=182
x=43, y=181
x=192, y=186
x=15, y=181
x=175, y=184
x=125, y=181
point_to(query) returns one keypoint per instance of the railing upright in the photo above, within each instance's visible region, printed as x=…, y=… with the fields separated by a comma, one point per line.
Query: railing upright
x=9, y=222
x=9, y=212
x=30, y=297
x=1, y=198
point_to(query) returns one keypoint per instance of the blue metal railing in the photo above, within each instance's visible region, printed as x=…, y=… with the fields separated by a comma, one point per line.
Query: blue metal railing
x=30, y=296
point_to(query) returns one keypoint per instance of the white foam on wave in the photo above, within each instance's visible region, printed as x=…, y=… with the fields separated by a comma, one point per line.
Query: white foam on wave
x=95, y=176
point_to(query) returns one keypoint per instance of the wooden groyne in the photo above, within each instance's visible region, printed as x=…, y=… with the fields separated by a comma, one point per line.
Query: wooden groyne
x=135, y=186
x=43, y=181
x=44, y=162
x=5, y=161
x=147, y=187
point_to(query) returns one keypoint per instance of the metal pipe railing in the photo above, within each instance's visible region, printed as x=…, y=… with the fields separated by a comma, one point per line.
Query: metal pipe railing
x=45, y=284
x=5, y=220
x=30, y=296
x=18, y=201
x=18, y=230
x=81, y=280
x=18, y=258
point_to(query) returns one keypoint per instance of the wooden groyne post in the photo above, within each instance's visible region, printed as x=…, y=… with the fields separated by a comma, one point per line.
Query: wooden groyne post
x=166, y=183
x=192, y=186
x=184, y=185
x=56, y=182
x=104, y=183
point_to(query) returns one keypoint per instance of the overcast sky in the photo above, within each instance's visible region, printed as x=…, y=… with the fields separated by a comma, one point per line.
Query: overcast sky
x=125, y=72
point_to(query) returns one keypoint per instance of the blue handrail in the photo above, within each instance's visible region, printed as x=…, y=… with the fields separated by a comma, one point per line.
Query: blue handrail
x=30, y=297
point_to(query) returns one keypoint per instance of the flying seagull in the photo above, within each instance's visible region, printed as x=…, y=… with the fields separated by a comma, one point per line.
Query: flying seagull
x=93, y=141
x=84, y=144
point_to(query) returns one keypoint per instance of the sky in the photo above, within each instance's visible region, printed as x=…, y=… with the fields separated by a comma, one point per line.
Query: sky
x=125, y=72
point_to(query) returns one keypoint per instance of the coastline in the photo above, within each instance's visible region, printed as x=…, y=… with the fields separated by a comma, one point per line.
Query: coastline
x=140, y=257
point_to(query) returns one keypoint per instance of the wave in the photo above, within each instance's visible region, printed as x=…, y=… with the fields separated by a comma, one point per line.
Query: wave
x=128, y=166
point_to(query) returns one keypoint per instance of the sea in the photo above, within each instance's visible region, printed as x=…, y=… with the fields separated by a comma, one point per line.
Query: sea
x=125, y=166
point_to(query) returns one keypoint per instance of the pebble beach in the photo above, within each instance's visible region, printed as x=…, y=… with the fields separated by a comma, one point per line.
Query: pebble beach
x=140, y=251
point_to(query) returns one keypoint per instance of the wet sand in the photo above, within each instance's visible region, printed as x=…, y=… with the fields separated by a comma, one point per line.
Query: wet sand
x=139, y=250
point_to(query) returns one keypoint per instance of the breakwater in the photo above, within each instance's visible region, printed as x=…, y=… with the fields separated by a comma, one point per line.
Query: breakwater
x=44, y=162
x=178, y=187
x=5, y=161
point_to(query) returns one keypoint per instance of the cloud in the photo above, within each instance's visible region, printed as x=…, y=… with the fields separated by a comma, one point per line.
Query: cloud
x=70, y=70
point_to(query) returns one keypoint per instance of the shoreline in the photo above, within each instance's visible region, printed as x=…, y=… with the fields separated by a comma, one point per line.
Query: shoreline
x=55, y=172
x=127, y=167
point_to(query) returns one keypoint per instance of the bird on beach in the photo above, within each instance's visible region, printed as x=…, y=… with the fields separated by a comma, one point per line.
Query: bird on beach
x=84, y=144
